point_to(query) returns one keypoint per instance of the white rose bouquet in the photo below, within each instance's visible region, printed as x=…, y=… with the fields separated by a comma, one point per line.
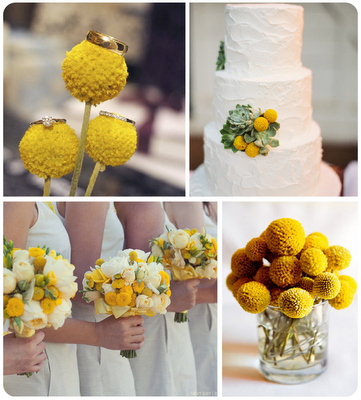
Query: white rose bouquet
x=128, y=285
x=38, y=284
x=188, y=254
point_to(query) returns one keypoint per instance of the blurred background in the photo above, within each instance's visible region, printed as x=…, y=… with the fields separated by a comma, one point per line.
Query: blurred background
x=329, y=50
x=36, y=38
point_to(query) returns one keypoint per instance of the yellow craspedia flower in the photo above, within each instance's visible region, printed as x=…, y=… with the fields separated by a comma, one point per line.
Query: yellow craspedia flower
x=256, y=249
x=351, y=281
x=49, y=152
x=260, y=124
x=35, y=251
x=252, y=150
x=241, y=265
x=270, y=115
x=253, y=297
x=94, y=74
x=111, y=298
x=285, y=271
x=110, y=140
x=306, y=283
x=321, y=235
x=230, y=280
x=275, y=294
x=316, y=241
x=15, y=307
x=313, y=261
x=239, y=143
x=239, y=282
x=39, y=263
x=344, y=297
x=262, y=276
x=338, y=258
x=123, y=299
x=285, y=237
x=295, y=302
x=47, y=305
x=39, y=293
x=326, y=286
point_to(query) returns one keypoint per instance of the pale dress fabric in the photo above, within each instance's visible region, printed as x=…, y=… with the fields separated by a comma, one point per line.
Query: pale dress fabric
x=203, y=328
x=165, y=365
x=103, y=372
x=59, y=374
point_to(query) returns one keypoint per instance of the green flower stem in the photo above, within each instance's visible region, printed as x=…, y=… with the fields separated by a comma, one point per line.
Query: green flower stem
x=46, y=191
x=181, y=316
x=128, y=353
x=79, y=160
x=99, y=167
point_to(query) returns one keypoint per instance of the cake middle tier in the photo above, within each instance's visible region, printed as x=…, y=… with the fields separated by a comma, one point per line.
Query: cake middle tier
x=290, y=95
x=288, y=170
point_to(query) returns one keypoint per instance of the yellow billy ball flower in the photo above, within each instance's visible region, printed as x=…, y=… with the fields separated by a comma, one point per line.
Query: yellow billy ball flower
x=123, y=299
x=231, y=280
x=260, y=124
x=326, y=286
x=306, y=283
x=94, y=74
x=15, y=307
x=239, y=143
x=344, y=297
x=39, y=263
x=252, y=150
x=49, y=152
x=39, y=293
x=285, y=237
x=338, y=258
x=262, y=275
x=253, y=297
x=256, y=249
x=295, y=303
x=285, y=271
x=351, y=281
x=313, y=261
x=316, y=241
x=270, y=115
x=241, y=265
x=239, y=282
x=110, y=141
x=275, y=294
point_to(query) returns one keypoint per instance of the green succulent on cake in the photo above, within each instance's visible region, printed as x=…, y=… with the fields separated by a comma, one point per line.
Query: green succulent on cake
x=221, y=60
x=250, y=131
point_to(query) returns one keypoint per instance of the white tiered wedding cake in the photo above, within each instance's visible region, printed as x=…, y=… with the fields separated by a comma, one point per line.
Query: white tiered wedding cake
x=263, y=69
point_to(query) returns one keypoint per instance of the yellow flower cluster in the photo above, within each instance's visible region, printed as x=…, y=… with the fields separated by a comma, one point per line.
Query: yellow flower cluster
x=299, y=271
x=110, y=140
x=49, y=152
x=260, y=124
x=94, y=74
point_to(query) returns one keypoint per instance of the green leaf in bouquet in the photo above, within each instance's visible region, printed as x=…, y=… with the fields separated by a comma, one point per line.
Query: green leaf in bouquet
x=221, y=60
x=248, y=138
x=18, y=323
x=23, y=285
x=274, y=143
x=51, y=295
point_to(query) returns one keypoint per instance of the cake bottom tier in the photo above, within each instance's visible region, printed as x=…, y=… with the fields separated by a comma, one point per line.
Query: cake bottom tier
x=294, y=170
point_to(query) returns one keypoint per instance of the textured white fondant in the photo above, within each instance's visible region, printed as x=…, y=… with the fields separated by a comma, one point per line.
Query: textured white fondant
x=263, y=38
x=286, y=170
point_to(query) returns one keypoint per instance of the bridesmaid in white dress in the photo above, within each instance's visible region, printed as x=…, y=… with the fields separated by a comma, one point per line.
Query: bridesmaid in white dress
x=203, y=316
x=102, y=372
x=31, y=225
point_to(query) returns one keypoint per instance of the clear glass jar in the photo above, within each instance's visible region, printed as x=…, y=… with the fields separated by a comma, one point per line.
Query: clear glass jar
x=293, y=350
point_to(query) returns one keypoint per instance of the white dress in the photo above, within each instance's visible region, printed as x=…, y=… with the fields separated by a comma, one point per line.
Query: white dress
x=203, y=328
x=103, y=372
x=165, y=365
x=59, y=374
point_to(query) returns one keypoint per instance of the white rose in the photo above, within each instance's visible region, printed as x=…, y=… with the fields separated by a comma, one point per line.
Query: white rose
x=60, y=267
x=66, y=286
x=9, y=281
x=128, y=275
x=111, y=267
x=142, y=255
x=21, y=255
x=197, y=242
x=160, y=303
x=92, y=295
x=23, y=271
x=178, y=260
x=143, y=302
x=209, y=271
x=60, y=313
x=33, y=315
x=107, y=287
x=179, y=238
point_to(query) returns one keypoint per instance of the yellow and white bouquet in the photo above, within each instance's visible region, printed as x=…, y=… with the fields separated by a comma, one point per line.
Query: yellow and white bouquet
x=38, y=284
x=188, y=254
x=127, y=285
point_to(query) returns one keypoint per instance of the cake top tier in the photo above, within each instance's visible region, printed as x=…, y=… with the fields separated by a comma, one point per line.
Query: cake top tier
x=263, y=39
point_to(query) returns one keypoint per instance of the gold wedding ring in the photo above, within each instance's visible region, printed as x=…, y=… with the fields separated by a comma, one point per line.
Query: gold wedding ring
x=48, y=121
x=106, y=41
x=116, y=116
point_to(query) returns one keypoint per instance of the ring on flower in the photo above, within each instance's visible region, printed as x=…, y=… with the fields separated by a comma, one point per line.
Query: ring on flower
x=116, y=116
x=106, y=41
x=48, y=121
